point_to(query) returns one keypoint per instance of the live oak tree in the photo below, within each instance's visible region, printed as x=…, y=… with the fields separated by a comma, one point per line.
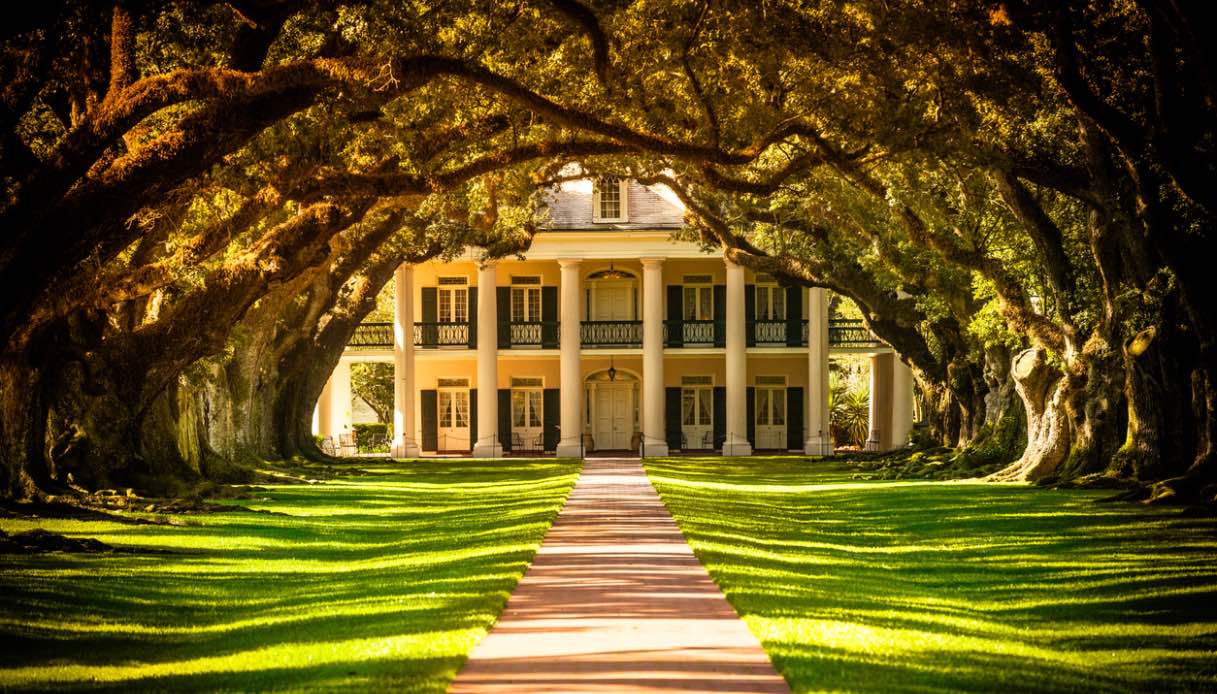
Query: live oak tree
x=203, y=199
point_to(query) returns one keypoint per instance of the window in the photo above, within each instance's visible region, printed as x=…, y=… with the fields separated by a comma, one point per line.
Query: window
x=453, y=409
x=699, y=302
x=695, y=406
x=525, y=304
x=609, y=203
x=770, y=302
x=453, y=300
x=526, y=409
x=771, y=401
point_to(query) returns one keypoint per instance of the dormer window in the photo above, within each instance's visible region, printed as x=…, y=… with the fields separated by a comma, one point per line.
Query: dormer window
x=609, y=202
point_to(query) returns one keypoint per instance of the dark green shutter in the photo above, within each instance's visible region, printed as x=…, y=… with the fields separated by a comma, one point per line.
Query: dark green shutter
x=505, y=418
x=750, y=315
x=428, y=333
x=502, y=302
x=473, y=318
x=551, y=407
x=794, y=316
x=794, y=418
x=549, y=320
x=473, y=417
x=676, y=317
x=671, y=417
x=720, y=415
x=720, y=315
x=750, y=414
x=428, y=410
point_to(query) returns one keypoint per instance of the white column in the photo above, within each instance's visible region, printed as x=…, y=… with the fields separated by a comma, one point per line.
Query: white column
x=902, y=402
x=737, y=365
x=654, y=441
x=404, y=443
x=340, y=401
x=489, y=445
x=570, y=441
x=324, y=418
x=819, y=435
x=880, y=438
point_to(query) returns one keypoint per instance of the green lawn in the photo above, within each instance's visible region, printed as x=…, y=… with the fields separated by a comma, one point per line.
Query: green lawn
x=382, y=581
x=930, y=586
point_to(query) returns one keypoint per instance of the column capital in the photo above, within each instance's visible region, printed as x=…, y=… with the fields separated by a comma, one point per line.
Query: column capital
x=487, y=264
x=569, y=262
x=652, y=262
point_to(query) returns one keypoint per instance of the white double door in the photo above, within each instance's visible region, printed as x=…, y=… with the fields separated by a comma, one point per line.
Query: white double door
x=453, y=420
x=771, y=418
x=612, y=415
x=697, y=417
x=613, y=301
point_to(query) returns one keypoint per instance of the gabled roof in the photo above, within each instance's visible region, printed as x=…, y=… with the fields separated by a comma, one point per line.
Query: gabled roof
x=569, y=208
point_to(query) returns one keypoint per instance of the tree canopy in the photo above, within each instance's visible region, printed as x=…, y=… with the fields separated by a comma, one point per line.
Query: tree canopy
x=202, y=200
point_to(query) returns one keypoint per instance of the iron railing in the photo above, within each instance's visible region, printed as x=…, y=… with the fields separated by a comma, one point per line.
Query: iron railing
x=842, y=332
x=769, y=332
x=529, y=334
x=850, y=332
x=372, y=336
x=690, y=332
x=431, y=335
x=611, y=333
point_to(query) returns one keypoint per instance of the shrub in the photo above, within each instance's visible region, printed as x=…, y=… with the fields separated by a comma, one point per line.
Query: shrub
x=849, y=415
x=372, y=437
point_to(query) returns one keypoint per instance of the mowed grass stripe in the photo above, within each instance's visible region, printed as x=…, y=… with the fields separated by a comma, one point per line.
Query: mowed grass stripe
x=915, y=586
x=380, y=581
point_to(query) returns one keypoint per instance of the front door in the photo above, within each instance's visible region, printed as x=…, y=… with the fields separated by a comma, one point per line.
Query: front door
x=613, y=409
x=453, y=418
x=697, y=417
x=770, y=418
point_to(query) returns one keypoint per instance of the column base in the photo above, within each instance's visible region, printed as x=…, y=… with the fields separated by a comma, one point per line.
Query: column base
x=872, y=441
x=657, y=449
x=739, y=447
x=405, y=449
x=488, y=450
x=818, y=446
x=570, y=449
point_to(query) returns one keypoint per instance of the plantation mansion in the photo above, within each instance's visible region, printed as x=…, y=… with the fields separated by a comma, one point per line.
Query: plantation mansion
x=608, y=334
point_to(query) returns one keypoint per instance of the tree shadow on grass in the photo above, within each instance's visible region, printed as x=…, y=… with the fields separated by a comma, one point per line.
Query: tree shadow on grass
x=897, y=586
x=392, y=576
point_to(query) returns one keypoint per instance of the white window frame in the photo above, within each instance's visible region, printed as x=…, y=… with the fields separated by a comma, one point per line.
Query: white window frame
x=703, y=296
x=623, y=194
x=528, y=291
x=452, y=285
x=770, y=291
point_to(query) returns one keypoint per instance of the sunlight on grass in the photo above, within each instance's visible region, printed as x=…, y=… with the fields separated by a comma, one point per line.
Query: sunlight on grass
x=916, y=586
x=382, y=581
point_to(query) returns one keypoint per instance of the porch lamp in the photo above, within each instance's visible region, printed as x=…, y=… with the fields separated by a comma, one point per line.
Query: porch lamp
x=612, y=370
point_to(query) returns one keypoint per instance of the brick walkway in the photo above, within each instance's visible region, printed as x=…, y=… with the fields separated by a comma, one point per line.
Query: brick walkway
x=615, y=601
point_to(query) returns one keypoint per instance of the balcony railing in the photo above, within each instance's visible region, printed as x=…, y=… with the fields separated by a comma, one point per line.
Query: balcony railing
x=690, y=332
x=842, y=332
x=850, y=332
x=611, y=333
x=528, y=334
x=372, y=336
x=769, y=332
x=441, y=334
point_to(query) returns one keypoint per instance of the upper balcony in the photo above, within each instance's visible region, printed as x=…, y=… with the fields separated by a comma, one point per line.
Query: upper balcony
x=843, y=333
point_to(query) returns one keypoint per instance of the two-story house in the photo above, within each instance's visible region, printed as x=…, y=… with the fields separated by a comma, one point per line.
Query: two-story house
x=611, y=335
